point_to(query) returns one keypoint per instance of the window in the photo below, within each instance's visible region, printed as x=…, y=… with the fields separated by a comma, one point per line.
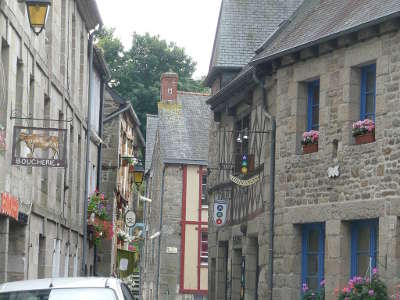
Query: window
x=204, y=189
x=313, y=251
x=313, y=106
x=368, y=82
x=364, y=246
x=204, y=248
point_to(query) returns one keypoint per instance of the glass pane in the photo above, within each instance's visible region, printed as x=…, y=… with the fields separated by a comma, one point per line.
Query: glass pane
x=362, y=264
x=363, y=239
x=370, y=81
x=313, y=240
x=316, y=95
x=31, y=295
x=315, y=115
x=313, y=283
x=370, y=105
x=312, y=265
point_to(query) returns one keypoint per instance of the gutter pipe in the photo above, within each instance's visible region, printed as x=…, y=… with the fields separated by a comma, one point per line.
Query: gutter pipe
x=88, y=138
x=270, y=272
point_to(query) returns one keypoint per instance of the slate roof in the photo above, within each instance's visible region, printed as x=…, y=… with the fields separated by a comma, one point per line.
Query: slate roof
x=151, y=130
x=316, y=21
x=183, y=131
x=243, y=26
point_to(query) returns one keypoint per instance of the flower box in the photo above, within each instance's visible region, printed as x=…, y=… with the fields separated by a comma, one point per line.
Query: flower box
x=364, y=131
x=365, y=138
x=310, y=141
x=310, y=148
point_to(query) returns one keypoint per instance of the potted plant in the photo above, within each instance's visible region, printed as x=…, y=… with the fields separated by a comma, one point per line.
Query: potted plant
x=309, y=294
x=125, y=161
x=310, y=141
x=99, y=219
x=364, y=131
x=360, y=288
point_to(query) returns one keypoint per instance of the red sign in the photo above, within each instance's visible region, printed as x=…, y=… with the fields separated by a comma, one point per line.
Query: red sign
x=9, y=205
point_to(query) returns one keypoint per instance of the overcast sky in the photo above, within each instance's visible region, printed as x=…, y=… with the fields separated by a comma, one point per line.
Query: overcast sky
x=191, y=24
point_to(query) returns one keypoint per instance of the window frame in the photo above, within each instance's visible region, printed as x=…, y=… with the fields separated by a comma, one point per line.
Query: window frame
x=365, y=70
x=204, y=200
x=201, y=256
x=306, y=228
x=311, y=104
x=373, y=225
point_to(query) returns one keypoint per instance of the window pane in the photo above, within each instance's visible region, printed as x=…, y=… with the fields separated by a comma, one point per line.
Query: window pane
x=370, y=82
x=370, y=105
x=312, y=265
x=316, y=95
x=82, y=294
x=315, y=118
x=362, y=264
x=313, y=283
x=313, y=240
x=363, y=239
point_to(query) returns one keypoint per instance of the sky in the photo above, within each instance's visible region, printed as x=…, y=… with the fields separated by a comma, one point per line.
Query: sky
x=191, y=24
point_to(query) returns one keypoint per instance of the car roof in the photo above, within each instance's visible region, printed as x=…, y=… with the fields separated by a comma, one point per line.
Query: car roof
x=58, y=283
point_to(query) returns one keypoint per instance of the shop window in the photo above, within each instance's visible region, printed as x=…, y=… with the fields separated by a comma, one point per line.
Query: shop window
x=313, y=252
x=364, y=246
x=204, y=248
x=313, y=106
x=368, y=92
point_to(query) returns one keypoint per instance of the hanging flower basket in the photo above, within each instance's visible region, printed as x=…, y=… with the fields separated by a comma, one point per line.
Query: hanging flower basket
x=364, y=131
x=310, y=141
x=131, y=168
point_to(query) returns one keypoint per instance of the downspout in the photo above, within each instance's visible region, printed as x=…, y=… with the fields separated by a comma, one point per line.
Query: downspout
x=88, y=137
x=270, y=272
x=99, y=159
x=143, y=251
x=160, y=236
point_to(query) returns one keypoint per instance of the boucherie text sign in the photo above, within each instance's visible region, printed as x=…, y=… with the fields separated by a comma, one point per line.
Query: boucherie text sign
x=9, y=205
x=39, y=147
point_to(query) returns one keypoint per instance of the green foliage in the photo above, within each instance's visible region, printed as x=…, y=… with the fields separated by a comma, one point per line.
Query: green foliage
x=136, y=72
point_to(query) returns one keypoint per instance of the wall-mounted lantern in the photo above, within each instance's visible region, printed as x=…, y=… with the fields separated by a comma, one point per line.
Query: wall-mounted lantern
x=38, y=11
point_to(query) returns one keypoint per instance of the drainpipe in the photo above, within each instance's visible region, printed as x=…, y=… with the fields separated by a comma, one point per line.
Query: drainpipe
x=88, y=136
x=160, y=236
x=271, y=184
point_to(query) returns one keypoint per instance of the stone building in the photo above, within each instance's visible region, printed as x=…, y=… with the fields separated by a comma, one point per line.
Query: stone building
x=175, y=265
x=44, y=79
x=332, y=214
x=241, y=126
x=123, y=141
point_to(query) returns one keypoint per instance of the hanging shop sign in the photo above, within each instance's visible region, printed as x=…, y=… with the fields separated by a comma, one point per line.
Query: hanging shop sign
x=245, y=182
x=39, y=147
x=9, y=205
x=220, y=208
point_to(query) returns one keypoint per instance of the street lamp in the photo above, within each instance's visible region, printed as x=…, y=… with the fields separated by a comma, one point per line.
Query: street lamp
x=38, y=11
x=138, y=174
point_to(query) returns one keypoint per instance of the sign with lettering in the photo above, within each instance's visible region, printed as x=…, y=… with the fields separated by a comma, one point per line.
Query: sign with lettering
x=220, y=207
x=39, y=147
x=9, y=206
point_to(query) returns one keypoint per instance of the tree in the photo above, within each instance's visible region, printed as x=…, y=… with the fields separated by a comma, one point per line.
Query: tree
x=136, y=72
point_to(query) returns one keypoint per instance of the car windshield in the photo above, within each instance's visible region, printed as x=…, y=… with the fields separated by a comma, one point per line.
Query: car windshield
x=61, y=294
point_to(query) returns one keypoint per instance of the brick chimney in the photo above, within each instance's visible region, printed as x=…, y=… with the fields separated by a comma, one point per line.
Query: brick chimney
x=169, y=87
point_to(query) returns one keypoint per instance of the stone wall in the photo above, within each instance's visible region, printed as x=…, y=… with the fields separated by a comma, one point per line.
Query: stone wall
x=366, y=187
x=46, y=76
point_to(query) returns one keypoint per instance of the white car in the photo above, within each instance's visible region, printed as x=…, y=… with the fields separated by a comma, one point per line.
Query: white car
x=78, y=288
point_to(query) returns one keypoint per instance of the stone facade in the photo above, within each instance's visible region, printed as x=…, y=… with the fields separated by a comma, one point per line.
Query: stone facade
x=46, y=77
x=366, y=188
x=122, y=138
x=176, y=157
